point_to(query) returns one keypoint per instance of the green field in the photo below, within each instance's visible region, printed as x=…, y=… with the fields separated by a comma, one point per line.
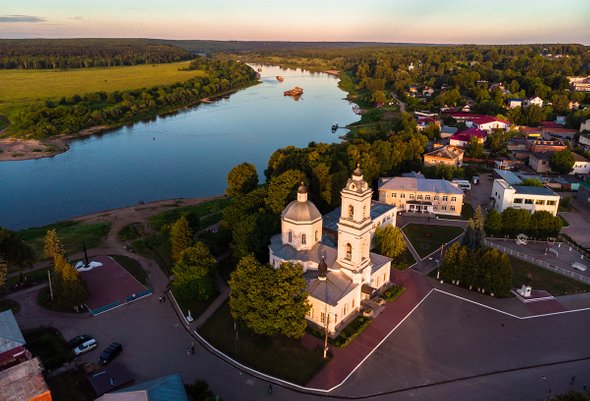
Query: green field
x=427, y=239
x=20, y=87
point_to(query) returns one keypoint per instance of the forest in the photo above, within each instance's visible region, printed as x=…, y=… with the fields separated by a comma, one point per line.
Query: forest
x=71, y=114
x=86, y=53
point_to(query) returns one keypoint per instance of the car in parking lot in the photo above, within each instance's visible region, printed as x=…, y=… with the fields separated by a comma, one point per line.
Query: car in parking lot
x=78, y=340
x=579, y=266
x=85, y=346
x=110, y=353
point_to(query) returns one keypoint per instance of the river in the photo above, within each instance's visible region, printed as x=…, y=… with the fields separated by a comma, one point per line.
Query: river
x=187, y=154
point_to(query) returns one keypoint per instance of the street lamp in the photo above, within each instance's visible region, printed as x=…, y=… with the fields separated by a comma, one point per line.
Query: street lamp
x=548, y=395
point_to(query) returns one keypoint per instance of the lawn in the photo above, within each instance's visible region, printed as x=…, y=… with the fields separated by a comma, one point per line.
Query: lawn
x=277, y=356
x=71, y=386
x=539, y=278
x=133, y=267
x=20, y=87
x=49, y=345
x=156, y=247
x=32, y=277
x=72, y=234
x=427, y=239
x=403, y=261
x=196, y=306
x=199, y=216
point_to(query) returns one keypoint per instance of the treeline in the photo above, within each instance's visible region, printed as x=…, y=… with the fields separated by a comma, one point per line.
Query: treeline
x=254, y=214
x=71, y=114
x=459, y=74
x=85, y=53
x=512, y=222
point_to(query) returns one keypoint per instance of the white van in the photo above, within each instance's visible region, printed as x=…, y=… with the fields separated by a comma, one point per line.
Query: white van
x=462, y=184
x=85, y=347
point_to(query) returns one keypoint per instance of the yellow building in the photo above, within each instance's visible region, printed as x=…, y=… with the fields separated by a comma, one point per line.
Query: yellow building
x=421, y=195
x=447, y=155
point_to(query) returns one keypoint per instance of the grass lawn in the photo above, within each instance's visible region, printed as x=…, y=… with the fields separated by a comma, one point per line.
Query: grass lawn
x=156, y=247
x=6, y=304
x=133, y=267
x=21, y=87
x=130, y=232
x=72, y=234
x=32, y=277
x=403, y=261
x=426, y=238
x=277, y=356
x=199, y=216
x=49, y=345
x=194, y=305
x=71, y=386
x=539, y=278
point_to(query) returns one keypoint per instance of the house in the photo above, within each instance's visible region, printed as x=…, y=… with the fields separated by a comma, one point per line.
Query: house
x=12, y=342
x=424, y=122
x=580, y=84
x=513, y=103
x=585, y=126
x=462, y=139
x=24, y=382
x=466, y=108
x=507, y=164
x=543, y=145
x=584, y=141
x=421, y=195
x=516, y=144
x=413, y=90
x=537, y=101
x=448, y=155
x=446, y=131
x=581, y=165
x=488, y=123
x=427, y=91
x=575, y=105
x=411, y=67
x=340, y=280
x=539, y=161
x=167, y=388
x=525, y=197
x=559, y=133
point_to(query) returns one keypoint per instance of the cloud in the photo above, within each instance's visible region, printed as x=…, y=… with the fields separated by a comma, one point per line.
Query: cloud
x=20, y=18
x=75, y=17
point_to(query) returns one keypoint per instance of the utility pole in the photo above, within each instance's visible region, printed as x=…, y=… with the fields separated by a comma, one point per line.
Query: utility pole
x=326, y=337
x=50, y=285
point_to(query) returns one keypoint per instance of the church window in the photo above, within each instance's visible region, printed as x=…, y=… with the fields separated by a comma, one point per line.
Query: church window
x=350, y=211
x=364, y=212
x=290, y=237
x=348, y=249
x=316, y=236
x=323, y=317
x=335, y=318
x=303, y=239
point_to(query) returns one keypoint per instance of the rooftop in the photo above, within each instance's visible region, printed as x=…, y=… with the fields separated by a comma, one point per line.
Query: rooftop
x=526, y=190
x=168, y=388
x=508, y=176
x=330, y=220
x=579, y=158
x=10, y=334
x=466, y=135
x=24, y=381
x=446, y=152
x=421, y=185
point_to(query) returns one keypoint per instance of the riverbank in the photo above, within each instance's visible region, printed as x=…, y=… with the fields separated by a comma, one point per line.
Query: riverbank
x=13, y=149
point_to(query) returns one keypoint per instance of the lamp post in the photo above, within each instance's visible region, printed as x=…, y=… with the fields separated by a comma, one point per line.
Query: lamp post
x=548, y=395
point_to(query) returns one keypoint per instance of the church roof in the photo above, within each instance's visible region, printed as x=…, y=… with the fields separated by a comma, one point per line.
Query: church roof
x=287, y=252
x=301, y=212
x=336, y=286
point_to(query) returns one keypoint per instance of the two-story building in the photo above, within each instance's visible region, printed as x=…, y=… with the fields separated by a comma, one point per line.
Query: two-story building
x=539, y=161
x=461, y=139
x=525, y=197
x=421, y=195
x=545, y=145
x=581, y=165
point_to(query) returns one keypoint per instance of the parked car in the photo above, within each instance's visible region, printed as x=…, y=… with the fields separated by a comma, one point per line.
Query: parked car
x=110, y=353
x=74, y=342
x=85, y=346
x=579, y=266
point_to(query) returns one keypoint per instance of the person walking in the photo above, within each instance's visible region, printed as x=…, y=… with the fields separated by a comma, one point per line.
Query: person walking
x=192, y=348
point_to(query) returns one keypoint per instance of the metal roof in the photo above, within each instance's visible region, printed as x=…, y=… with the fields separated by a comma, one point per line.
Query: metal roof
x=526, y=190
x=508, y=176
x=421, y=185
x=167, y=388
x=330, y=220
x=10, y=334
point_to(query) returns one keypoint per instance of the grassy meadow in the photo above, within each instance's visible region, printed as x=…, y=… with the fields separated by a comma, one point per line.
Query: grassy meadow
x=22, y=87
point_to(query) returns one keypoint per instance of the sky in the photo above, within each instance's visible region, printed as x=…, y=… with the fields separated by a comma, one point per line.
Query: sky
x=414, y=21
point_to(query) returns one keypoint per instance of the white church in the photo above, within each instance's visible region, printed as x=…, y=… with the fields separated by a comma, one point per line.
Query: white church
x=338, y=278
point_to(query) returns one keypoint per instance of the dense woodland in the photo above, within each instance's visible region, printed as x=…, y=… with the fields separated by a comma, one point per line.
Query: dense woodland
x=86, y=53
x=458, y=75
x=71, y=114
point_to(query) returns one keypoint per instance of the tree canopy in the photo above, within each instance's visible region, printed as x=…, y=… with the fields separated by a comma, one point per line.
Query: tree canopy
x=389, y=241
x=241, y=179
x=193, y=272
x=269, y=301
x=180, y=237
x=562, y=162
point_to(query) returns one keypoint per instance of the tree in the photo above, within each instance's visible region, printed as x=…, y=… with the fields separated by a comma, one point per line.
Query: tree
x=389, y=241
x=572, y=396
x=180, y=237
x=282, y=189
x=13, y=249
x=70, y=291
x=493, y=224
x=269, y=301
x=543, y=224
x=475, y=234
x=474, y=148
x=241, y=179
x=53, y=247
x=562, y=162
x=3, y=273
x=515, y=221
x=193, y=273
x=532, y=182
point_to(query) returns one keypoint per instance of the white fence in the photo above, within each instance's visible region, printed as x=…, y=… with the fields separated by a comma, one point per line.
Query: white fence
x=548, y=266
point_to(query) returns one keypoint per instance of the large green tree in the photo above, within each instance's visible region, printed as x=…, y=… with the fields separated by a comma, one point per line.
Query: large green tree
x=269, y=301
x=193, y=272
x=515, y=221
x=180, y=237
x=562, y=162
x=241, y=179
x=543, y=224
x=282, y=189
x=13, y=249
x=493, y=223
x=475, y=232
x=389, y=241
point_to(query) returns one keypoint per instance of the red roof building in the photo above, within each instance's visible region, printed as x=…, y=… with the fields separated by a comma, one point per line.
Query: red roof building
x=461, y=139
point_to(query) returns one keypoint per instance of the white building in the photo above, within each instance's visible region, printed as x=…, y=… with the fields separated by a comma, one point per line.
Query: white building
x=537, y=101
x=338, y=279
x=532, y=199
x=487, y=123
x=581, y=165
x=514, y=103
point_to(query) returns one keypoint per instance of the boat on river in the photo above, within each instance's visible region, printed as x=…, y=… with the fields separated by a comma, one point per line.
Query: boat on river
x=296, y=91
x=280, y=78
x=334, y=127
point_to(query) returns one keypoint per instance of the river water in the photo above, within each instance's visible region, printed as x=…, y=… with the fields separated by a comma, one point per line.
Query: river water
x=187, y=154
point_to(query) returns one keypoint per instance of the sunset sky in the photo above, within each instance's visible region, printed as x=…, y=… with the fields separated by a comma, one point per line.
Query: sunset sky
x=425, y=21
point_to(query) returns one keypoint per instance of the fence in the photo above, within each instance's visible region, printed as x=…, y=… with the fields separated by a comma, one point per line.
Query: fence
x=543, y=264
